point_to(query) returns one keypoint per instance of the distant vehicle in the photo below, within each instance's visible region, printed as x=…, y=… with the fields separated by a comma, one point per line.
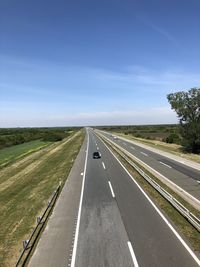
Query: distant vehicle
x=115, y=137
x=96, y=155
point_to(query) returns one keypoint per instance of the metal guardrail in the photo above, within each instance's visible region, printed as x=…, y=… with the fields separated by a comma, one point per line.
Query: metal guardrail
x=176, y=204
x=29, y=244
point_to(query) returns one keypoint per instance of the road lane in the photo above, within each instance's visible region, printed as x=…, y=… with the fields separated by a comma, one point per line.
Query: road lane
x=154, y=242
x=102, y=239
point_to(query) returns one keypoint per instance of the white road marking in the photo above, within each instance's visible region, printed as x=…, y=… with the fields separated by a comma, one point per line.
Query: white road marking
x=198, y=182
x=79, y=210
x=164, y=177
x=111, y=189
x=165, y=164
x=144, y=154
x=132, y=147
x=132, y=254
x=192, y=254
x=103, y=165
x=97, y=148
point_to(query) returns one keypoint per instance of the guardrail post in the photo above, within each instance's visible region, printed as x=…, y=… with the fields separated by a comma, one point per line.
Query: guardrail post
x=25, y=243
x=49, y=203
x=38, y=219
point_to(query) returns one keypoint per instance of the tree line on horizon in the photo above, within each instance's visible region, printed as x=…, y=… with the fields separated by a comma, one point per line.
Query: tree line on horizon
x=16, y=136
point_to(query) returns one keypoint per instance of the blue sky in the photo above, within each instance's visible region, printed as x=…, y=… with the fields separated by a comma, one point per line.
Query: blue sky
x=95, y=62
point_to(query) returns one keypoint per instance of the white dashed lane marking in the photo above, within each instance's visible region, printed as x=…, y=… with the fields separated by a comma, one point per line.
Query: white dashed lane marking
x=165, y=164
x=144, y=154
x=103, y=165
x=111, y=189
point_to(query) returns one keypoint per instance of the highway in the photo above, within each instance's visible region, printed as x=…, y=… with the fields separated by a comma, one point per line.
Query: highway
x=184, y=176
x=104, y=219
x=118, y=224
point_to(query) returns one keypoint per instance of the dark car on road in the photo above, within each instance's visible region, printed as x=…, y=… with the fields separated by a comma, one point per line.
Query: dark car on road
x=96, y=155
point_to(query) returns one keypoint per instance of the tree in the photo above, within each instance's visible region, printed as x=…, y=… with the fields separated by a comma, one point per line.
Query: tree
x=187, y=107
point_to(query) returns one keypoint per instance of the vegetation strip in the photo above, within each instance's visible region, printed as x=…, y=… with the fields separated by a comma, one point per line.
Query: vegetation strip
x=29, y=244
x=25, y=189
x=14, y=136
x=10, y=154
x=184, y=227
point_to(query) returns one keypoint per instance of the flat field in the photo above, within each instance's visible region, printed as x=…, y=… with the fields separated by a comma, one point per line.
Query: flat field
x=25, y=188
x=151, y=132
x=12, y=153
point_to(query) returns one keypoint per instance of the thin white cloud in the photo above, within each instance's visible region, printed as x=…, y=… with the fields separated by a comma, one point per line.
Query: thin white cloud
x=158, y=29
x=66, y=77
x=163, y=32
x=145, y=116
x=158, y=115
x=115, y=96
x=170, y=79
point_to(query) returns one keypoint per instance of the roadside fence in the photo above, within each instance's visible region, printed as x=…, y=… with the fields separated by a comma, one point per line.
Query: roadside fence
x=41, y=220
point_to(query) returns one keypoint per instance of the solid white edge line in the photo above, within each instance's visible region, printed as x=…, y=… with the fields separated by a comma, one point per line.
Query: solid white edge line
x=111, y=189
x=165, y=164
x=132, y=254
x=103, y=165
x=79, y=210
x=160, y=213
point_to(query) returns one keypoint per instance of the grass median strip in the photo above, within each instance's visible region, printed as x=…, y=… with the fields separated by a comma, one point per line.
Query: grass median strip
x=25, y=188
x=181, y=224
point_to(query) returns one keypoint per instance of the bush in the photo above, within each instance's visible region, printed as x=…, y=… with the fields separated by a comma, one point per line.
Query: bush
x=173, y=138
x=53, y=137
x=138, y=135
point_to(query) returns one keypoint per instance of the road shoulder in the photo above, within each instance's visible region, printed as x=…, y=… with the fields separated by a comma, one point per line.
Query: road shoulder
x=55, y=246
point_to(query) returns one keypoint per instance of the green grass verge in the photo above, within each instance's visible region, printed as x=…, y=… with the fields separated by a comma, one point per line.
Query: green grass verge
x=181, y=224
x=25, y=190
x=12, y=153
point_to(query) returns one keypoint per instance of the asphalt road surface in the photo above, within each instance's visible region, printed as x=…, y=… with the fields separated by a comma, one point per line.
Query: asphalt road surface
x=184, y=176
x=104, y=219
x=118, y=224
